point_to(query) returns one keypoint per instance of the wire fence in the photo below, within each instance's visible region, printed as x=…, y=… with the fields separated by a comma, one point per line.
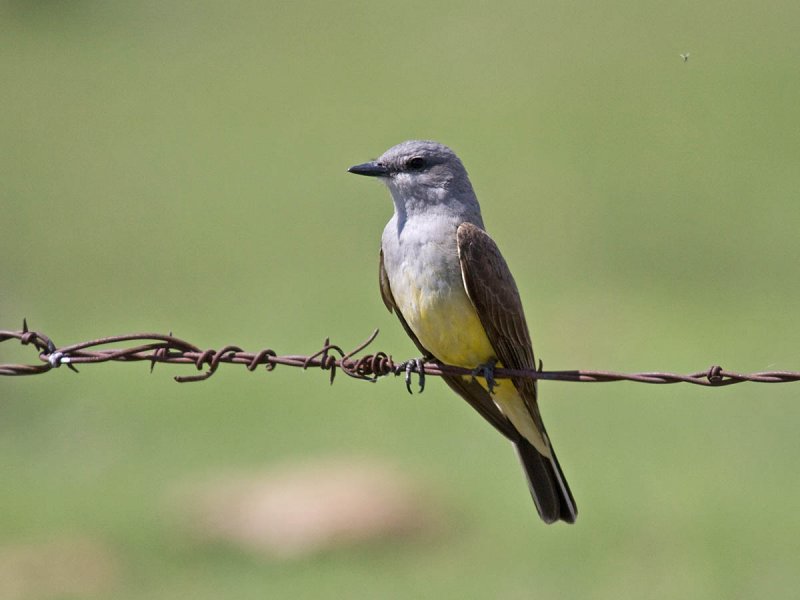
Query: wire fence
x=158, y=348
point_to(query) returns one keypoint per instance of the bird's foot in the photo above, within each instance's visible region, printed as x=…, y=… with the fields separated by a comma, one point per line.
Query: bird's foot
x=486, y=370
x=409, y=366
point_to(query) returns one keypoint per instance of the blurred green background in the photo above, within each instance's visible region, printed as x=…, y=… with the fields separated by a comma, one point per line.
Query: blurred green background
x=181, y=166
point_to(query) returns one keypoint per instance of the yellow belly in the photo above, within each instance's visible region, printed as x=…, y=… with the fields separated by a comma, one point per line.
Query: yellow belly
x=447, y=324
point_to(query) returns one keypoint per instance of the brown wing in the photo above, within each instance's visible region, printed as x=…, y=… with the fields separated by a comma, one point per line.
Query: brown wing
x=471, y=391
x=492, y=290
x=494, y=293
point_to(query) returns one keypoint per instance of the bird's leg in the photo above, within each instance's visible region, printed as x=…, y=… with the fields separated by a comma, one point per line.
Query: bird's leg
x=411, y=365
x=486, y=370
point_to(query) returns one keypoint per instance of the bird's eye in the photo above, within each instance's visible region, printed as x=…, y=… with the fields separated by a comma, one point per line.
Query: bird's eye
x=416, y=163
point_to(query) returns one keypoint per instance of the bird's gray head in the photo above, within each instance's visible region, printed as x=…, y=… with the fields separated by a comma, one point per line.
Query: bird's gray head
x=421, y=175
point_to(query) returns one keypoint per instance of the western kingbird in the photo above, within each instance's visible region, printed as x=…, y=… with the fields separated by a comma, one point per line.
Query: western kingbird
x=446, y=280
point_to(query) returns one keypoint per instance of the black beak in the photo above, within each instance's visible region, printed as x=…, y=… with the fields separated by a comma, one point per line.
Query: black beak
x=370, y=169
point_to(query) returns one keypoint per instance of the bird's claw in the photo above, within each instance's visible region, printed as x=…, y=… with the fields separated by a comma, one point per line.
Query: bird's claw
x=414, y=364
x=486, y=370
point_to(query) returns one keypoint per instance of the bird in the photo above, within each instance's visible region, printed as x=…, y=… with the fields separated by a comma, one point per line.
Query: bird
x=685, y=56
x=455, y=297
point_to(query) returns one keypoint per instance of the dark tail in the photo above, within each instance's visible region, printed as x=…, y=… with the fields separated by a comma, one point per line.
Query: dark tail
x=547, y=484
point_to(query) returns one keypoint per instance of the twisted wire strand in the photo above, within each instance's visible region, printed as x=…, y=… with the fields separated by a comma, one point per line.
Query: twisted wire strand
x=157, y=348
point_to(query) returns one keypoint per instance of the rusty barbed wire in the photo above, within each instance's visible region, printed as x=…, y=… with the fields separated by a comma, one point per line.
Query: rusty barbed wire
x=159, y=348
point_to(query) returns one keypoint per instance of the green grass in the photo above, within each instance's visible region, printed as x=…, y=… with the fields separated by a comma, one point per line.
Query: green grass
x=181, y=166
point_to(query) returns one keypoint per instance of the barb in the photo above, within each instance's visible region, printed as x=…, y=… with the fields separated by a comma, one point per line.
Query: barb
x=159, y=348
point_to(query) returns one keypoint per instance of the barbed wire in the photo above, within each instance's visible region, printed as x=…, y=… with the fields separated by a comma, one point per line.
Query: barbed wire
x=159, y=348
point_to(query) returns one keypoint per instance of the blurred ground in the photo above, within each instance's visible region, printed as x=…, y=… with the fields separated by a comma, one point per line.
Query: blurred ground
x=61, y=567
x=181, y=166
x=297, y=510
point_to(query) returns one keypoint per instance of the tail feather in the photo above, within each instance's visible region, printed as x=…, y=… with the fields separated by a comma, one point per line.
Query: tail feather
x=547, y=484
